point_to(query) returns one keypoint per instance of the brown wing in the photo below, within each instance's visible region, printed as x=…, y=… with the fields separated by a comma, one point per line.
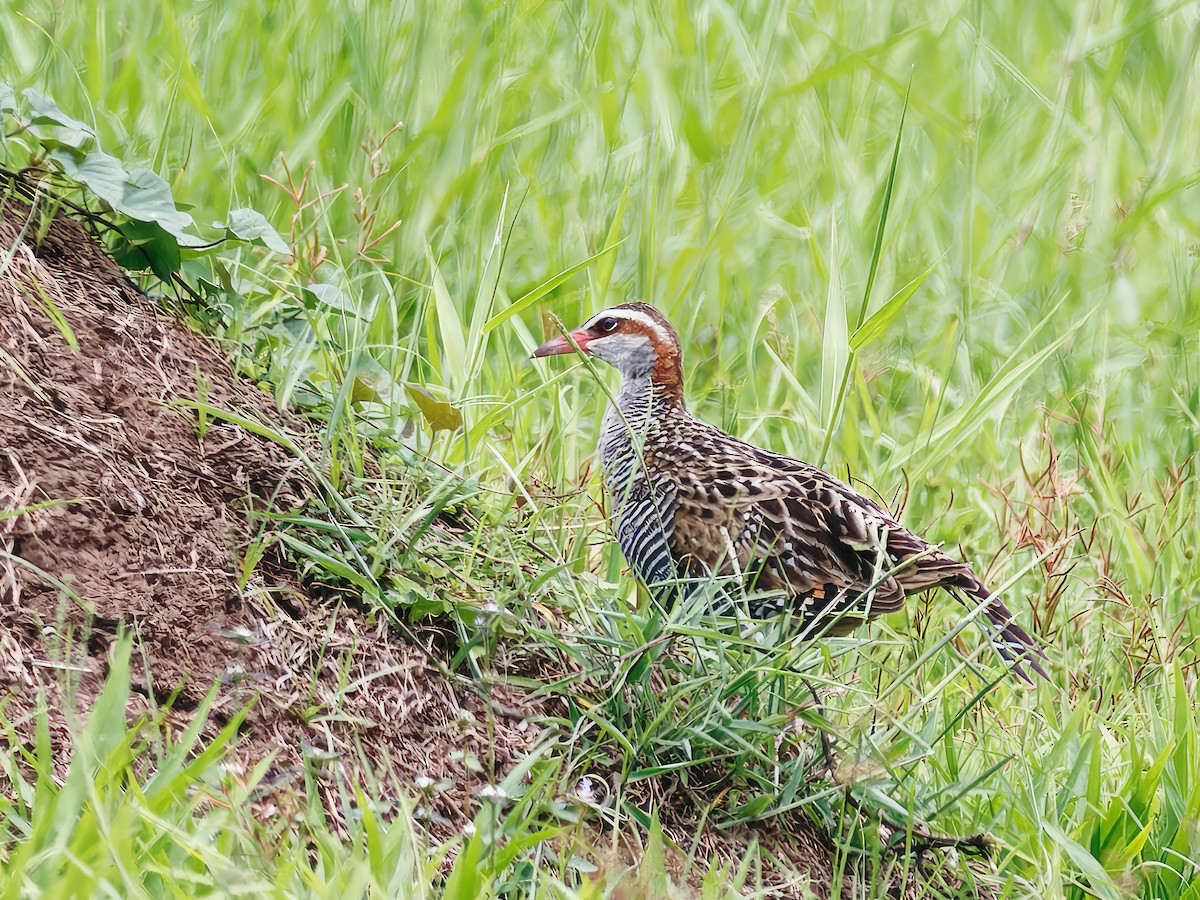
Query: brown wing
x=791, y=527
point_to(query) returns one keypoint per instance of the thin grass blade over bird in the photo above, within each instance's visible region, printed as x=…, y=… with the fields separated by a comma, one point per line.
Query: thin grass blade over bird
x=691, y=503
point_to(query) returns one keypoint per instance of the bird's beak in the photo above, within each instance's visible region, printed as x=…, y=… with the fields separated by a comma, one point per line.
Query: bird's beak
x=555, y=346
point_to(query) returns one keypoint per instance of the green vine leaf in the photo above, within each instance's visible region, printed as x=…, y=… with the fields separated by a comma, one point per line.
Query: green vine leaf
x=148, y=199
x=252, y=226
x=53, y=127
x=137, y=193
x=101, y=173
x=147, y=245
x=153, y=227
x=440, y=415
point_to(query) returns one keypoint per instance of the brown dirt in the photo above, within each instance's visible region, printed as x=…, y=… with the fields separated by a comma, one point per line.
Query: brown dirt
x=147, y=524
x=150, y=525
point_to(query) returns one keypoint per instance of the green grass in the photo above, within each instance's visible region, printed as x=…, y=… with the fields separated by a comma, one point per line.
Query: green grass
x=182, y=831
x=1034, y=400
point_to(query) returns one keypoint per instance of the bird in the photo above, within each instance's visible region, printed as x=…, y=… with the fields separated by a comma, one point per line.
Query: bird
x=691, y=504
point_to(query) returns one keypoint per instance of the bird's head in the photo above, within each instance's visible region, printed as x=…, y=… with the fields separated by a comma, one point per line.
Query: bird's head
x=634, y=338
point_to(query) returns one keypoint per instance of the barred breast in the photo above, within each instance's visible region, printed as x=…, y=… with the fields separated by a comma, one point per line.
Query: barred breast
x=643, y=499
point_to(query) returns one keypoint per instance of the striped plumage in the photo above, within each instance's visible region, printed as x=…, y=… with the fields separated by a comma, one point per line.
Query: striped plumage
x=690, y=502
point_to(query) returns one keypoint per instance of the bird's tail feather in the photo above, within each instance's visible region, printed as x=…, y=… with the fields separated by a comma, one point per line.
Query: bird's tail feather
x=1011, y=641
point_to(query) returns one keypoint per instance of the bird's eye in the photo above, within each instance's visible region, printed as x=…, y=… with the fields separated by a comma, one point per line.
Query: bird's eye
x=607, y=324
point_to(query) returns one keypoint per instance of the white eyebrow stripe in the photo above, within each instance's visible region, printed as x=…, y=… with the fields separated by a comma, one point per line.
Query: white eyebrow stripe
x=632, y=315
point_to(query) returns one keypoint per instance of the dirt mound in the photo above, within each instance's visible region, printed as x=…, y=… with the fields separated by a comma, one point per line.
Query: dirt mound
x=134, y=518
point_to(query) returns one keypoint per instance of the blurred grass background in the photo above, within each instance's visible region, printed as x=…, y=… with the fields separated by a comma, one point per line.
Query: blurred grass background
x=1035, y=400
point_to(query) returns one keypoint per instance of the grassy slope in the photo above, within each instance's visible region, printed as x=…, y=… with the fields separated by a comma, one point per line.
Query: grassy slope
x=1041, y=381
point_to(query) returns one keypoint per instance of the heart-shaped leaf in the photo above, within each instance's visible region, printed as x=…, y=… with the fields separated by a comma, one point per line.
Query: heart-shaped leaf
x=440, y=415
x=148, y=199
x=99, y=172
x=250, y=225
x=147, y=245
x=55, y=128
x=137, y=193
x=372, y=382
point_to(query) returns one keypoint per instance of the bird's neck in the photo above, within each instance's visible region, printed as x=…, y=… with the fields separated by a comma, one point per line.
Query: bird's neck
x=642, y=402
x=658, y=383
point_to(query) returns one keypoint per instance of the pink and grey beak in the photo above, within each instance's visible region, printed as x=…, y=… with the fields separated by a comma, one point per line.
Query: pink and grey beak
x=558, y=345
